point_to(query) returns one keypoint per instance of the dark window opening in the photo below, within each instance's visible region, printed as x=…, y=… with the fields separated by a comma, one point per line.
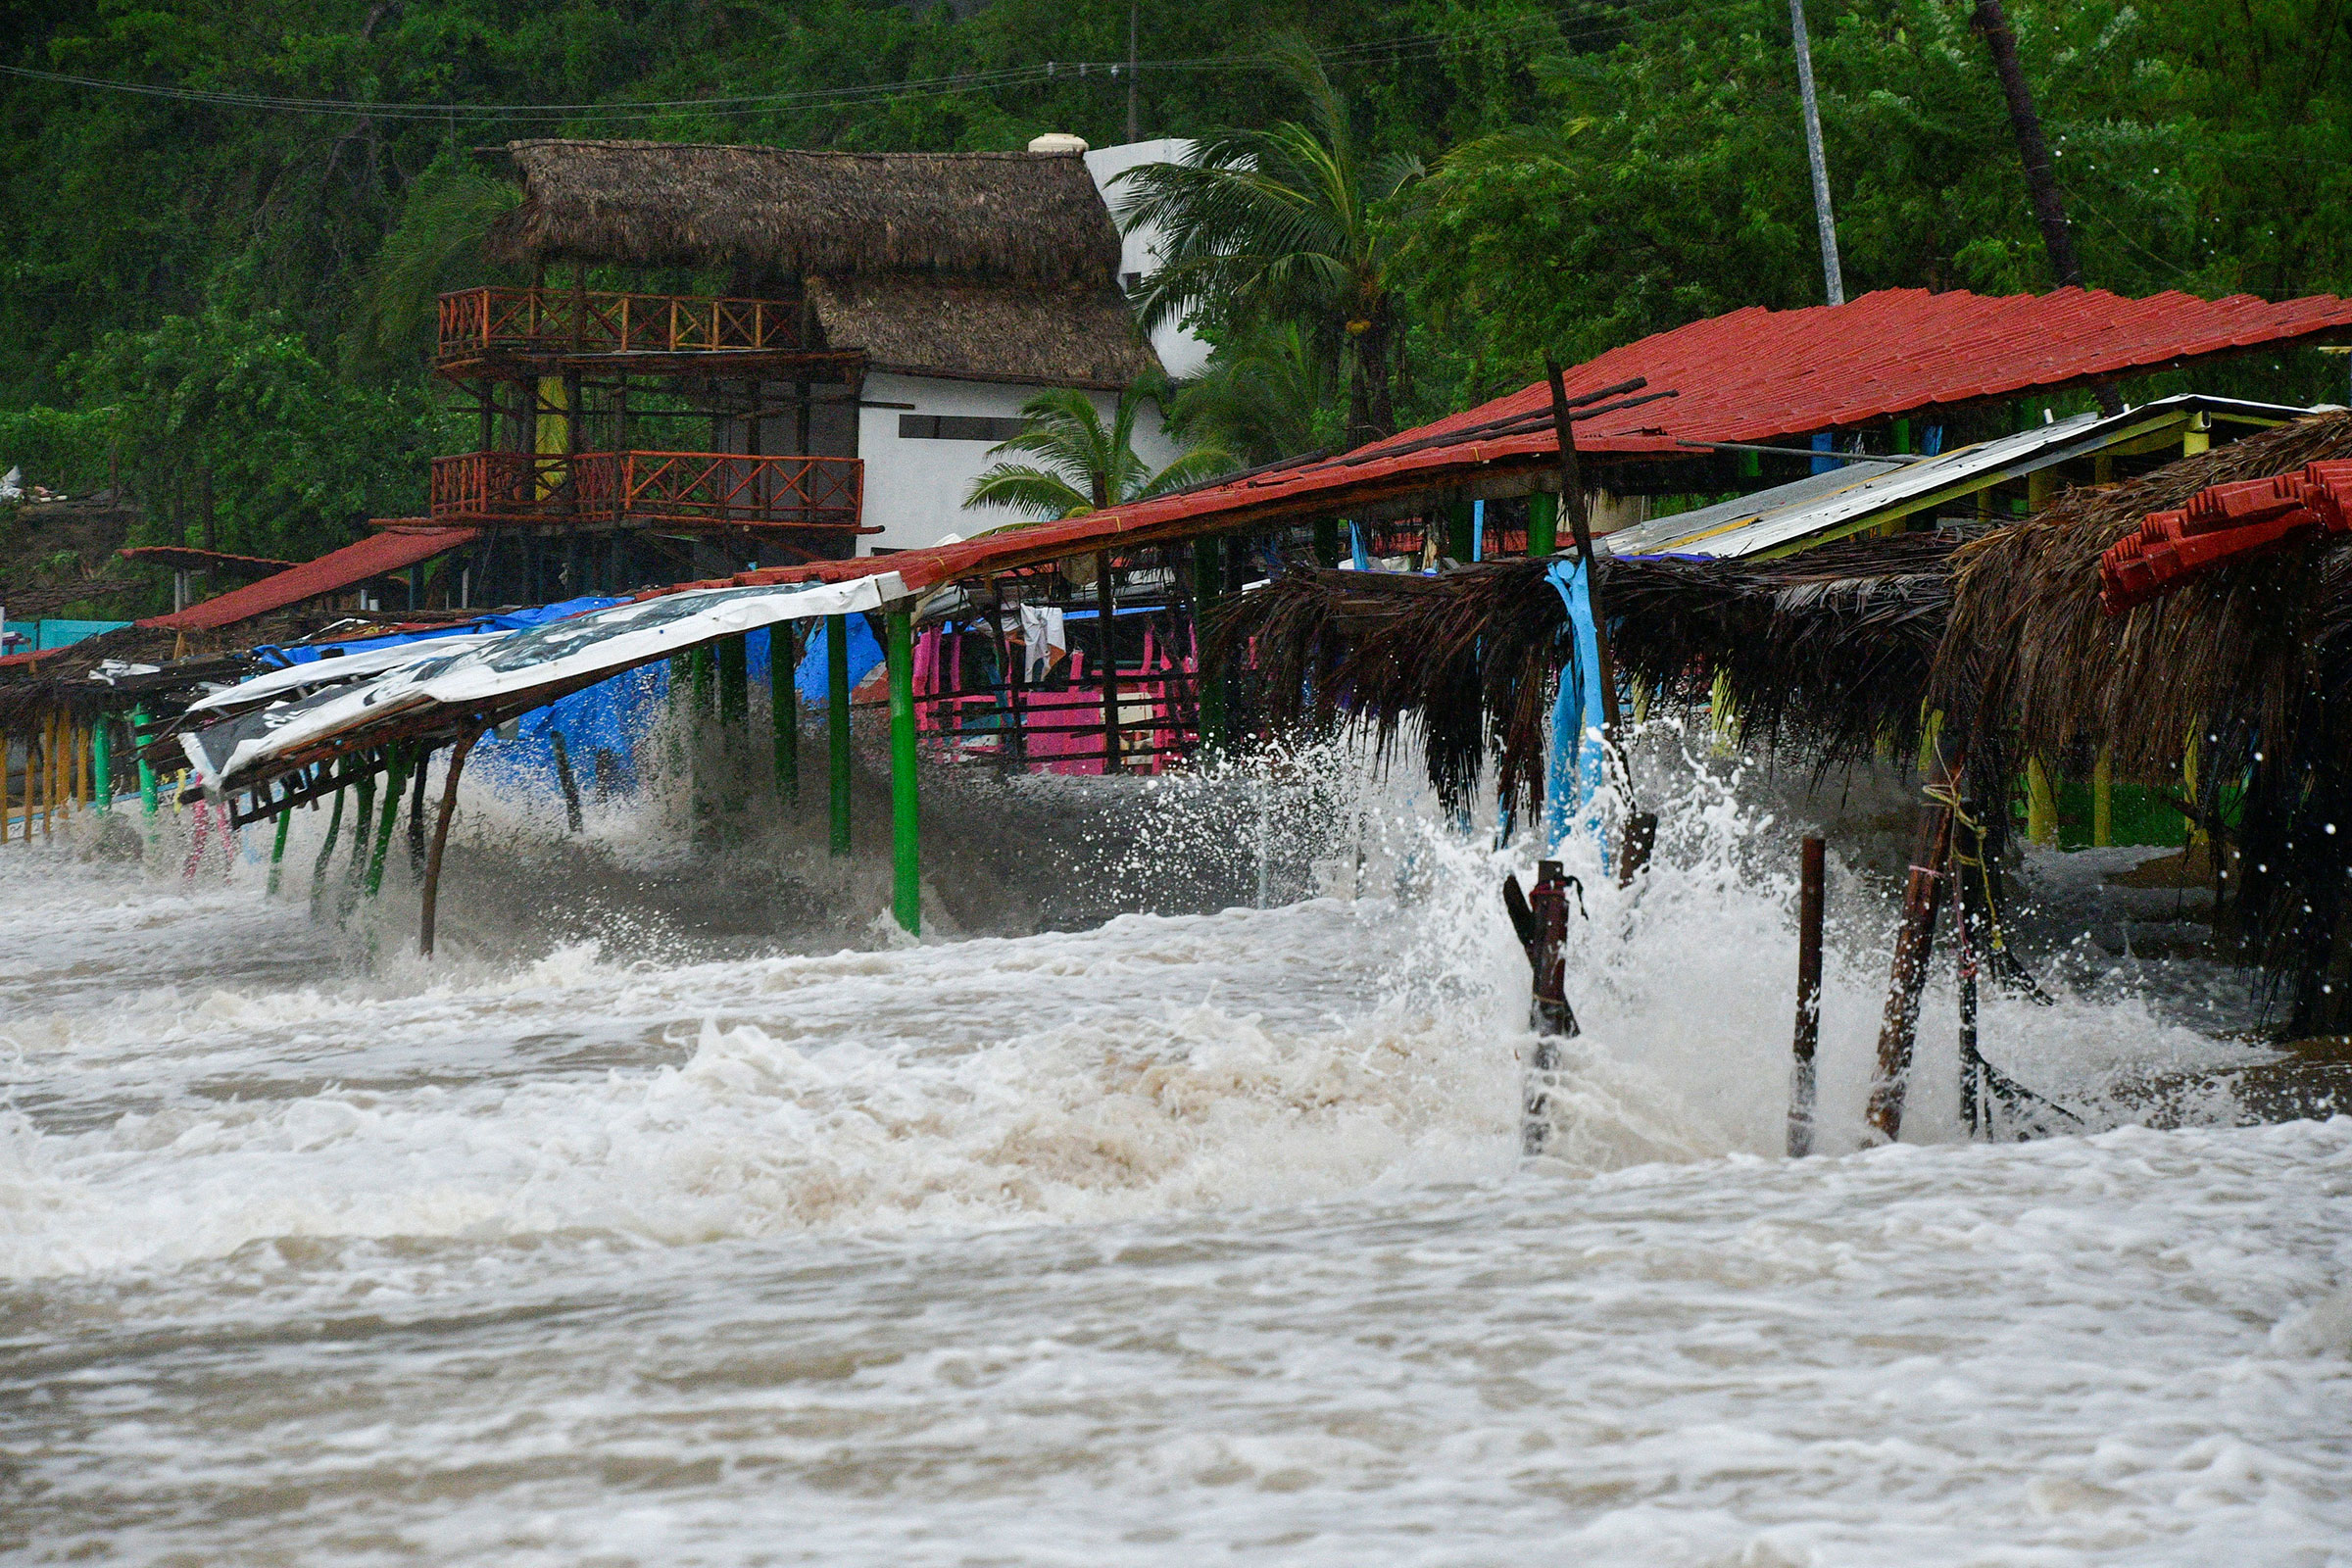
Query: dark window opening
x=957, y=428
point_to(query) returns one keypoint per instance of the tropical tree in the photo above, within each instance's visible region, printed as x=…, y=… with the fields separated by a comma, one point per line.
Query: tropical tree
x=1284, y=224
x=1267, y=394
x=1082, y=465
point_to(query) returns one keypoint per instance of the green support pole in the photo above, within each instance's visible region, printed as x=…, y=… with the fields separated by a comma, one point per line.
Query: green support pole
x=1458, y=530
x=1327, y=541
x=358, y=830
x=396, y=776
x=278, y=847
x=1209, y=581
x=784, y=706
x=734, y=680
x=138, y=736
x=1542, y=524
x=905, y=866
x=837, y=724
x=102, y=763
x=326, y=850
x=705, y=686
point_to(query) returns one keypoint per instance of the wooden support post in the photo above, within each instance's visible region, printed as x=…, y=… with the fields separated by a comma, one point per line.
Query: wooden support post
x=784, y=707
x=906, y=865
x=102, y=763
x=424, y=766
x=1105, y=610
x=433, y=863
x=1327, y=542
x=572, y=820
x=1542, y=524
x=1802, y=1090
x=837, y=725
x=1541, y=922
x=1209, y=581
x=1914, y=944
x=394, y=777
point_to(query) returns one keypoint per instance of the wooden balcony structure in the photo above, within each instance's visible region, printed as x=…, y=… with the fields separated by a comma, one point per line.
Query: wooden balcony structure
x=484, y=329
x=690, y=490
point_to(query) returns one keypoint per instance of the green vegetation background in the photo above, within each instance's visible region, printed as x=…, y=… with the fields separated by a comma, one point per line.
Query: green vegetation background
x=185, y=288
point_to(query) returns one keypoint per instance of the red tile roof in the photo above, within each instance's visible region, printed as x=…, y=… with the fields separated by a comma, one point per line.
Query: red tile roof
x=2225, y=522
x=373, y=556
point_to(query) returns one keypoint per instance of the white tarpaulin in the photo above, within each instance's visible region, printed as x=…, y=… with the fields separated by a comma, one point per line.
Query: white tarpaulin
x=504, y=673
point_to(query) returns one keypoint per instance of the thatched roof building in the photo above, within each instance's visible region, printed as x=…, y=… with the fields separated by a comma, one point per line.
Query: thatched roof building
x=998, y=266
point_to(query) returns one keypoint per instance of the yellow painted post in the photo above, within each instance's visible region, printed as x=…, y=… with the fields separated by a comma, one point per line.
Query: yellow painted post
x=1931, y=740
x=2042, y=805
x=1722, y=715
x=2199, y=436
x=2040, y=485
x=551, y=434
x=2102, y=799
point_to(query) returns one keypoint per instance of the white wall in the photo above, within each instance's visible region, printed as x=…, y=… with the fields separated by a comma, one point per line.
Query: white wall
x=1180, y=351
x=914, y=487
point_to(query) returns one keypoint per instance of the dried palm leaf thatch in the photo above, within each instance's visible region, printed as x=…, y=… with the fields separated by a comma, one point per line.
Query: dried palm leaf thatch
x=2033, y=651
x=1827, y=652
x=2247, y=671
x=1823, y=655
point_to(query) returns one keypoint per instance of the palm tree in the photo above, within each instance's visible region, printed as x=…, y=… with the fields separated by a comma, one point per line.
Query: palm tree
x=1082, y=465
x=1266, y=394
x=1268, y=225
x=436, y=245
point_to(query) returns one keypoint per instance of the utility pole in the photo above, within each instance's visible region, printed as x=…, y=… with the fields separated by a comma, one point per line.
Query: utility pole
x=2034, y=152
x=1134, y=18
x=1832, y=277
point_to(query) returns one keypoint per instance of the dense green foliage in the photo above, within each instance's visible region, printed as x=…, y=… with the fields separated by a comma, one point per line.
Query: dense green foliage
x=1078, y=464
x=200, y=296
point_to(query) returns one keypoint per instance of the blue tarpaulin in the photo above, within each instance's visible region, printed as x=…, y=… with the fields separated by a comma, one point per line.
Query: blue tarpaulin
x=278, y=658
x=1577, y=768
x=814, y=680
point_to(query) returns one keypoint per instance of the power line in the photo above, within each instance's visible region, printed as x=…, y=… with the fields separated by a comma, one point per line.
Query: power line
x=1403, y=47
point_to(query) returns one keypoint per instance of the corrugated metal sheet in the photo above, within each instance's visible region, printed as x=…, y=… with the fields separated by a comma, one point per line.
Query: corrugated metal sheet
x=1830, y=502
x=386, y=551
x=1752, y=375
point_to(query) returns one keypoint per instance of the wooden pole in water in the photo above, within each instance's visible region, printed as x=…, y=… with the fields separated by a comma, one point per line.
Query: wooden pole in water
x=424, y=766
x=1801, y=1084
x=1914, y=944
x=907, y=887
x=784, y=707
x=433, y=863
x=572, y=820
x=1106, y=608
x=837, y=725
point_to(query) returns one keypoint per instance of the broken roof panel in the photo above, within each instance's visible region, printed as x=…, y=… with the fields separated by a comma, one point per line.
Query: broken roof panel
x=1828, y=506
x=386, y=551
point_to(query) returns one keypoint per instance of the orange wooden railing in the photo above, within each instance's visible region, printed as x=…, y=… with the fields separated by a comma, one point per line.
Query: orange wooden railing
x=715, y=489
x=552, y=321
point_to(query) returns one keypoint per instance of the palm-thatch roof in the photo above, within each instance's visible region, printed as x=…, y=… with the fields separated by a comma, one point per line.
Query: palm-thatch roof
x=1031, y=218
x=1824, y=654
x=921, y=324
x=996, y=266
